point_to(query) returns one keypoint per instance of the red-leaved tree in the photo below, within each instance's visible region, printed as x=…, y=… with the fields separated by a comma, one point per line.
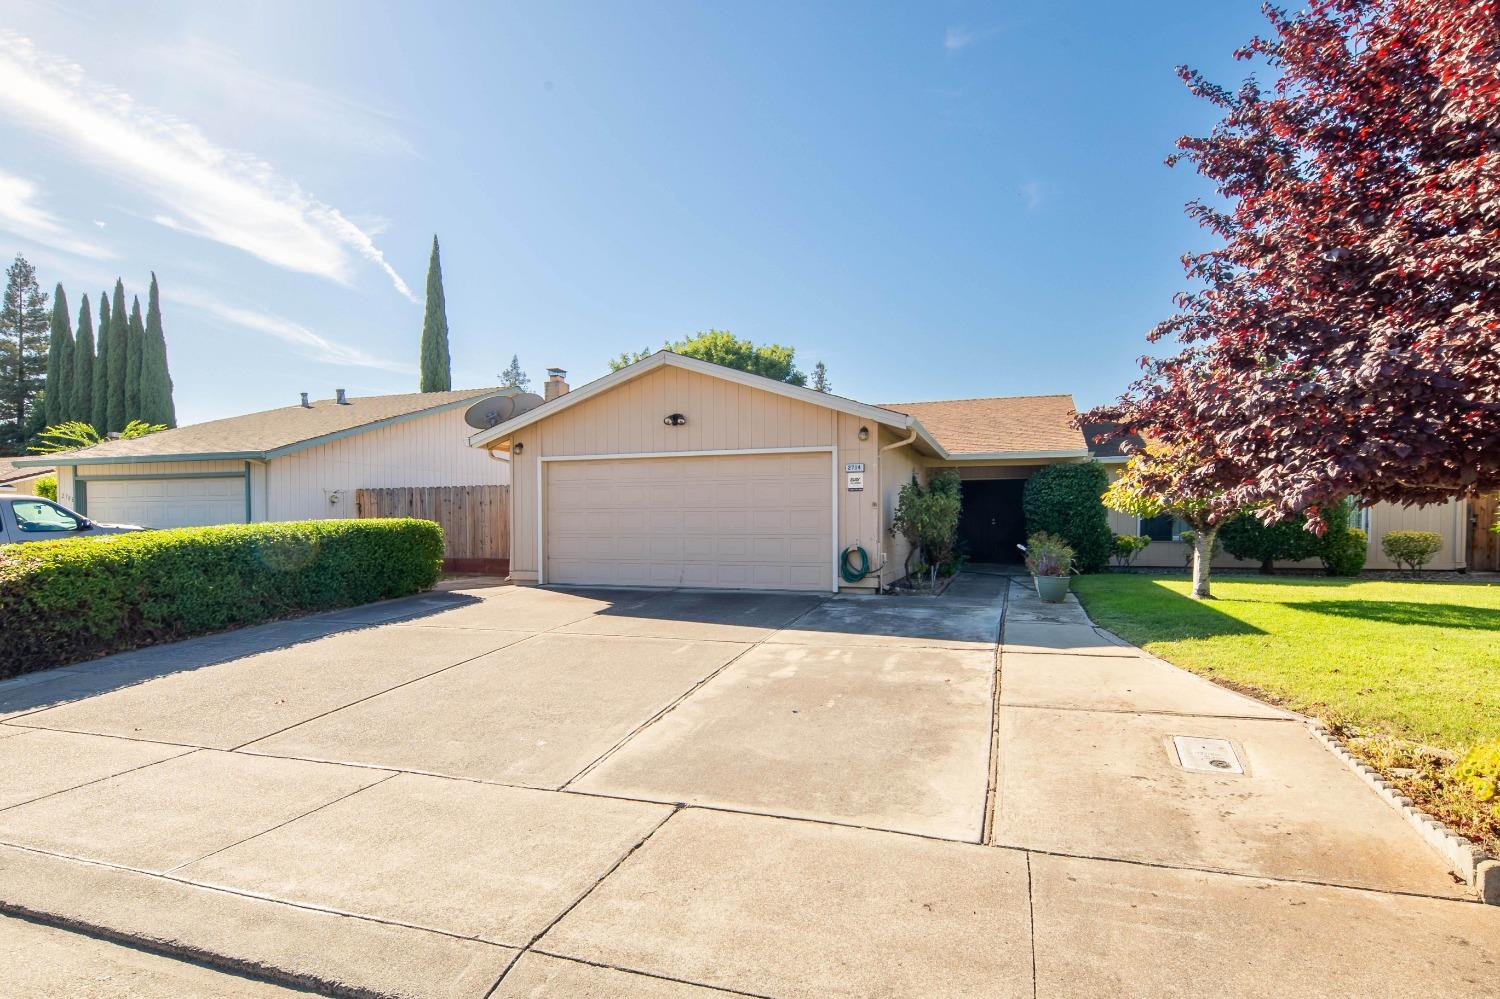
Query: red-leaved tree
x=1344, y=338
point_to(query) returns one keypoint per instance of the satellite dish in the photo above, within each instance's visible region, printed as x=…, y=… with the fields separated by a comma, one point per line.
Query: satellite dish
x=526, y=402
x=489, y=412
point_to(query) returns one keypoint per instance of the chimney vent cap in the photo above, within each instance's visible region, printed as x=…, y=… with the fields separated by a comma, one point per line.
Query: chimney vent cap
x=305, y=403
x=557, y=372
x=342, y=399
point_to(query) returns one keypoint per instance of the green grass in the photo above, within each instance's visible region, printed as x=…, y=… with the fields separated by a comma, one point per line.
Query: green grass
x=1414, y=660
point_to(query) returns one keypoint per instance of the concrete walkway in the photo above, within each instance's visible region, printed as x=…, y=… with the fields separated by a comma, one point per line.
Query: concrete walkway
x=522, y=792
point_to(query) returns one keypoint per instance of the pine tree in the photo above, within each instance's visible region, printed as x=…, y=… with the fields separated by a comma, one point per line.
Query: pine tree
x=99, y=391
x=820, y=382
x=134, y=357
x=514, y=377
x=437, y=375
x=57, y=390
x=23, y=351
x=119, y=349
x=81, y=401
x=156, y=380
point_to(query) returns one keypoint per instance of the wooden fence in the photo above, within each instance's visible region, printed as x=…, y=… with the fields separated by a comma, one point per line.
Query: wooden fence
x=1484, y=544
x=475, y=520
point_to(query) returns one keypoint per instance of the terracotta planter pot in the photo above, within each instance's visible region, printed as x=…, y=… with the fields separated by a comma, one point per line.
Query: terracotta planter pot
x=1052, y=589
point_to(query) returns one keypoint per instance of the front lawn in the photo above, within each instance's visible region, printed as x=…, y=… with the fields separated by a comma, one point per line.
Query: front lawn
x=1394, y=666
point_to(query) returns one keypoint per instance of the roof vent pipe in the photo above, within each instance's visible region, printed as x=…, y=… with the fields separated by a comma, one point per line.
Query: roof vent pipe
x=342, y=401
x=305, y=403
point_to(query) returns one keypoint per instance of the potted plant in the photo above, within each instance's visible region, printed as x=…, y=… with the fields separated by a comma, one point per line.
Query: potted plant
x=1050, y=560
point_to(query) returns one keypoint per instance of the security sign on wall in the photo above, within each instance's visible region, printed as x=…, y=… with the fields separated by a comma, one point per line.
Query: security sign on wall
x=856, y=481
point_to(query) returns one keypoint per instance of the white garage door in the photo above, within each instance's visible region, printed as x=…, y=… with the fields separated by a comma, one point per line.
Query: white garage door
x=762, y=521
x=167, y=502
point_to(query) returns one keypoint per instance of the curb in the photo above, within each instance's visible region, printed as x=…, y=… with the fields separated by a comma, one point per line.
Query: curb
x=1470, y=862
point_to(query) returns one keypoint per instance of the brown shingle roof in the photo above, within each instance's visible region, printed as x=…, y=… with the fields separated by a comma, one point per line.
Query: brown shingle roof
x=10, y=473
x=259, y=434
x=1008, y=423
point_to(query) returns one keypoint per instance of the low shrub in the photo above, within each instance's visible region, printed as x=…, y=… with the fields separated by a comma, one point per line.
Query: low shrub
x=1480, y=770
x=1125, y=548
x=1250, y=538
x=1065, y=500
x=1412, y=549
x=62, y=601
x=46, y=487
x=1343, y=551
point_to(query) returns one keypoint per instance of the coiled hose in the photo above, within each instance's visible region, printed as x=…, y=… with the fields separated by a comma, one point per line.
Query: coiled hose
x=847, y=571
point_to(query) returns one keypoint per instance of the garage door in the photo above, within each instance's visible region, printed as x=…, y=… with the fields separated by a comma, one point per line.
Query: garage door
x=167, y=502
x=762, y=521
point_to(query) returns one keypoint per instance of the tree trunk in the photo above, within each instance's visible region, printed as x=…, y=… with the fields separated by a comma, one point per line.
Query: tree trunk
x=1203, y=550
x=1268, y=567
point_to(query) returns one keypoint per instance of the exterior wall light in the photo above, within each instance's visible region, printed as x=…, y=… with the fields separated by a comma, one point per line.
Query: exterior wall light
x=675, y=420
x=864, y=433
x=517, y=447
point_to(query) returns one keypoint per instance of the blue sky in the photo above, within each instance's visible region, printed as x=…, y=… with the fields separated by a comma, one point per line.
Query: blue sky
x=938, y=200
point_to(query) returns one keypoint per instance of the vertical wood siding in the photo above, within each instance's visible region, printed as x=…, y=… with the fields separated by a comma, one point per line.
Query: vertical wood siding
x=428, y=451
x=721, y=415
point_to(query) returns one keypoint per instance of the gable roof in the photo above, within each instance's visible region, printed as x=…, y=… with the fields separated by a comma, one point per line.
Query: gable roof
x=971, y=429
x=666, y=358
x=1033, y=425
x=10, y=472
x=1114, y=448
x=274, y=432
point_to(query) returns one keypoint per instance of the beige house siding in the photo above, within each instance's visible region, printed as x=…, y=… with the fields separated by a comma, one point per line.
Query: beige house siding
x=721, y=415
x=897, y=466
x=1446, y=519
x=425, y=451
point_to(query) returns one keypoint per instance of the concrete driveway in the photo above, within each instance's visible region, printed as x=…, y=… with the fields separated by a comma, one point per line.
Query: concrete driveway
x=526, y=792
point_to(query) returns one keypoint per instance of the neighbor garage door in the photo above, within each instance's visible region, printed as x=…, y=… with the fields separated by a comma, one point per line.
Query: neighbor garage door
x=167, y=502
x=762, y=521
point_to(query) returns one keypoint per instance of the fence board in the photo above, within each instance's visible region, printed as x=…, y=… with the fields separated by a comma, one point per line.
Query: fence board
x=475, y=519
x=1484, y=543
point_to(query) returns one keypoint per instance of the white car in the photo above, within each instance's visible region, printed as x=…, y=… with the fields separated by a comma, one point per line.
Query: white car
x=31, y=518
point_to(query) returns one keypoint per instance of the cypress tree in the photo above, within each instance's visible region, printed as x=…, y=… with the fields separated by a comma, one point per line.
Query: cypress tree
x=99, y=394
x=81, y=402
x=119, y=349
x=156, y=379
x=437, y=375
x=57, y=389
x=134, y=359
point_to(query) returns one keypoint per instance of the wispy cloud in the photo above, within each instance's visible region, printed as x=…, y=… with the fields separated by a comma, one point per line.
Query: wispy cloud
x=311, y=344
x=1032, y=194
x=959, y=37
x=220, y=75
x=21, y=214
x=206, y=189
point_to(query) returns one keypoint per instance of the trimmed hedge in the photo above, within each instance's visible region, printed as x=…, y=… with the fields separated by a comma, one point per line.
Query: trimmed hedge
x=1065, y=500
x=62, y=601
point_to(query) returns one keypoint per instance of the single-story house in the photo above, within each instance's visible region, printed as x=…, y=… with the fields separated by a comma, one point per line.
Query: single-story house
x=300, y=462
x=22, y=479
x=674, y=471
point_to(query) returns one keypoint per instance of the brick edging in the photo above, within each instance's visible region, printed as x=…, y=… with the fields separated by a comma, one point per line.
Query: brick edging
x=1466, y=859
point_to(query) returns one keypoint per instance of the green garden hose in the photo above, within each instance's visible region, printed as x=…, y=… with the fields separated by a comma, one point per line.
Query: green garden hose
x=847, y=572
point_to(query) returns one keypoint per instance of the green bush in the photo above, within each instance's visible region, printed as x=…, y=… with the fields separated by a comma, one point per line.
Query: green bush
x=1124, y=548
x=1250, y=538
x=62, y=601
x=1343, y=551
x=928, y=520
x=1412, y=549
x=1480, y=769
x=1065, y=500
x=46, y=487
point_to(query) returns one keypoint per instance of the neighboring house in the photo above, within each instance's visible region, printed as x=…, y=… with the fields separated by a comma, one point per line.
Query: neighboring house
x=1448, y=520
x=22, y=479
x=677, y=472
x=300, y=462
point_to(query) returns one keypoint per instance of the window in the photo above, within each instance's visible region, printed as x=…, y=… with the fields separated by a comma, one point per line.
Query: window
x=41, y=516
x=1360, y=517
x=1163, y=528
